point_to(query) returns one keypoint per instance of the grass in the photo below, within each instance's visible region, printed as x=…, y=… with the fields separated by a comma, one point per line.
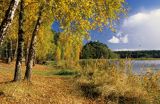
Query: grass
x=101, y=79
x=65, y=72
x=59, y=72
x=117, y=84
x=94, y=82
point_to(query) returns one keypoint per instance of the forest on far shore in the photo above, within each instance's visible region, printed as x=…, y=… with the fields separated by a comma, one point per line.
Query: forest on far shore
x=139, y=54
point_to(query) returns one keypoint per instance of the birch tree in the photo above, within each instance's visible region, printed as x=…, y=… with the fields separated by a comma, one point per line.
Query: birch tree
x=17, y=75
x=33, y=44
x=9, y=15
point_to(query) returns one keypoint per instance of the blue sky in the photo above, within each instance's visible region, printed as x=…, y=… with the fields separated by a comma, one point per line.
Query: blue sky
x=139, y=31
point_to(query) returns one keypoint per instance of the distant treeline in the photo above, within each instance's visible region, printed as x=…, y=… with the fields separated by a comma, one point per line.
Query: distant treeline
x=139, y=54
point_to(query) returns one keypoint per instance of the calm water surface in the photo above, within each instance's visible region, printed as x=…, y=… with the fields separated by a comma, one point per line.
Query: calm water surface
x=144, y=65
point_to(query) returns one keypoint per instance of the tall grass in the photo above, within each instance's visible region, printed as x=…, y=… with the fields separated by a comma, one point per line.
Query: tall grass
x=114, y=82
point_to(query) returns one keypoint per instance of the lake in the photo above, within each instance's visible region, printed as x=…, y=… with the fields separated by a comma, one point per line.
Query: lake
x=137, y=66
x=143, y=65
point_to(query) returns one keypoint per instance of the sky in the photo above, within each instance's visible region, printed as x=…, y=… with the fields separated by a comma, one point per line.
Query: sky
x=139, y=31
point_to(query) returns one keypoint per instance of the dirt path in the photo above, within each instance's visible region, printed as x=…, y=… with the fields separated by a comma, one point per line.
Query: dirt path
x=42, y=90
x=62, y=91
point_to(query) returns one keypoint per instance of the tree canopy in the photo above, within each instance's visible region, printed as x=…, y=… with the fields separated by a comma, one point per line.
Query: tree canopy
x=96, y=50
x=75, y=17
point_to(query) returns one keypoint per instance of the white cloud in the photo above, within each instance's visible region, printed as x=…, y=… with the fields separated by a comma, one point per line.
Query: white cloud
x=119, y=38
x=136, y=19
x=143, y=30
x=114, y=40
x=124, y=39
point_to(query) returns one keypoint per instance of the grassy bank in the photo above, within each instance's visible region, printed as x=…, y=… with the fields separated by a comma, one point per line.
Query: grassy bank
x=92, y=82
x=118, y=85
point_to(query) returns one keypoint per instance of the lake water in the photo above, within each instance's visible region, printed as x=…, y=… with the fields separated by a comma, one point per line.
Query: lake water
x=144, y=65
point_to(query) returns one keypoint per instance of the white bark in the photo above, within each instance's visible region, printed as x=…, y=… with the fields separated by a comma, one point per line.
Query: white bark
x=8, y=18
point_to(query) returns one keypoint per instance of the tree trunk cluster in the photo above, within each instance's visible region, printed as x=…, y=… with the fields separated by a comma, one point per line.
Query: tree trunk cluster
x=30, y=54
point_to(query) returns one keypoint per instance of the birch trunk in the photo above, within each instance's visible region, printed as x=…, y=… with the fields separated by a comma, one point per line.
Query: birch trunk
x=32, y=46
x=8, y=18
x=18, y=66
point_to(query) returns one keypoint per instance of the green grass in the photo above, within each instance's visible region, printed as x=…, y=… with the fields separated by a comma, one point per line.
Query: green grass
x=65, y=72
x=58, y=72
